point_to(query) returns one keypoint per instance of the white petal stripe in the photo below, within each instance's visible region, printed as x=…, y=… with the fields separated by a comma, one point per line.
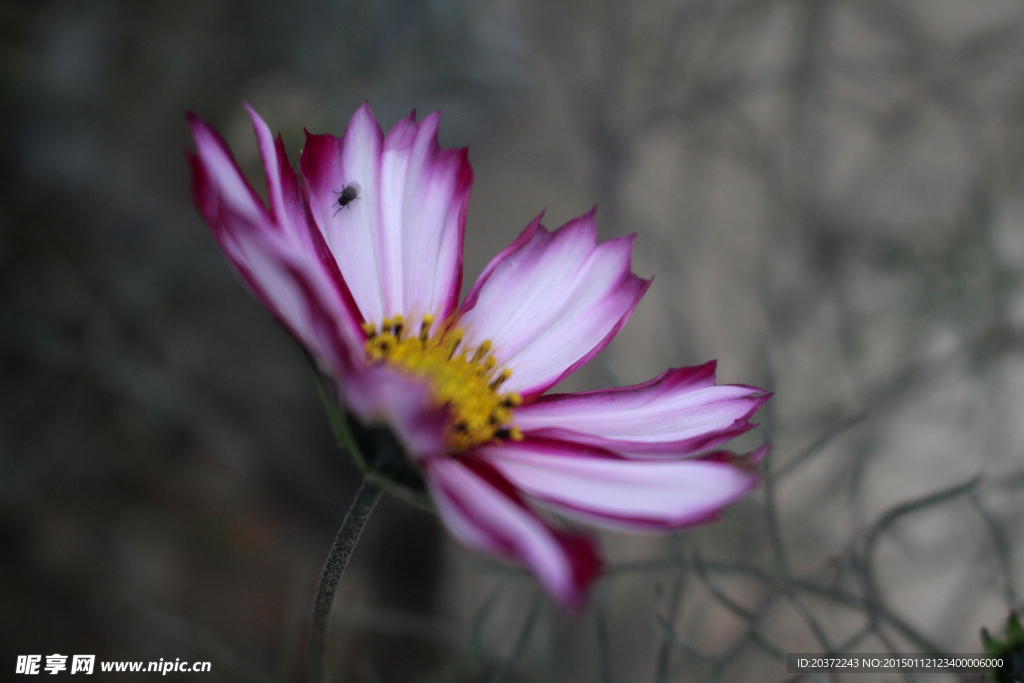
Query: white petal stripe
x=625, y=494
x=552, y=302
x=668, y=417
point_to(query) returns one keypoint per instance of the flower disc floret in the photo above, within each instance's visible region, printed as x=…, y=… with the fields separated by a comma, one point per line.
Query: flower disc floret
x=466, y=380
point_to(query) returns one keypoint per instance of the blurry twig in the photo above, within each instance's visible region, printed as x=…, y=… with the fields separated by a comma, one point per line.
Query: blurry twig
x=503, y=674
x=737, y=647
x=681, y=642
x=874, y=601
x=821, y=443
x=911, y=506
x=664, y=652
x=476, y=632
x=601, y=625
x=1002, y=548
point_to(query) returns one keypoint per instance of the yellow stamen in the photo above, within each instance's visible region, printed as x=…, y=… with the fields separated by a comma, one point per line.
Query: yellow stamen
x=512, y=400
x=453, y=342
x=482, y=350
x=428, y=320
x=505, y=374
x=466, y=384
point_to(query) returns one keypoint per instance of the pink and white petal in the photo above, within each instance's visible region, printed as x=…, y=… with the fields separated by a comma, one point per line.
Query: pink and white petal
x=679, y=412
x=424, y=197
x=551, y=301
x=380, y=395
x=482, y=511
x=352, y=233
x=292, y=215
x=638, y=495
x=228, y=188
x=274, y=253
x=288, y=216
x=399, y=243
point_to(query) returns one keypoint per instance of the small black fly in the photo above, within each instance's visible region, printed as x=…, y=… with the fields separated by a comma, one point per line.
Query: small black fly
x=347, y=195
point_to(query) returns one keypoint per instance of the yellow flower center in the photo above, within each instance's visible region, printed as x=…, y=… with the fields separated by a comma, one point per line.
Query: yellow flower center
x=466, y=380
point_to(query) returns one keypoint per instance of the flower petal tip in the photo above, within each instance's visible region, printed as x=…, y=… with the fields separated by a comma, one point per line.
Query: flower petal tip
x=757, y=455
x=587, y=567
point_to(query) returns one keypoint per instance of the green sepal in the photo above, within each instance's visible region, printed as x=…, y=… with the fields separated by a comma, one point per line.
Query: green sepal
x=388, y=467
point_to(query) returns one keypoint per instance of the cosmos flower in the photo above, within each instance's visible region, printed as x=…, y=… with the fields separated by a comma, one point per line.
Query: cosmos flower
x=361, y=261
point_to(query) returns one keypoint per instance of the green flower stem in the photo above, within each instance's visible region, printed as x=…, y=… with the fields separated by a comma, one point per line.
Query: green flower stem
x=355, y=521
x=374, y=482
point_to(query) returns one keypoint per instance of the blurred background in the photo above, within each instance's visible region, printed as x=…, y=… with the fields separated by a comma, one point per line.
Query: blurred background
x=829, y=193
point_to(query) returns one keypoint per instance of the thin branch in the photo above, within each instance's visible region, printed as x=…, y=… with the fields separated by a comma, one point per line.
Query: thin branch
x=916, y=505
x=1001, y=546
x=508, y=667
x=682, y=643
x=476, y=634
x=665, y=651
x=821, y=443
x=603, y=642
